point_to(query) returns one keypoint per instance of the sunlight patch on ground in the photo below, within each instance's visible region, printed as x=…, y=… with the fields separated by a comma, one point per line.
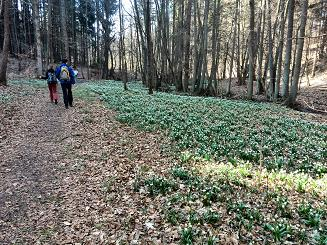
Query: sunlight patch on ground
x=259, y=177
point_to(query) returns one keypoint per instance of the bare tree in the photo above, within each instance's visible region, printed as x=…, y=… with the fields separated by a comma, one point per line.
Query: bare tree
x=149, y=47
x=63, y=19
x=229, y=85
x=251, y=51
x=299, y=52
x=288, y=55
x=37, y=38
x=122, y=46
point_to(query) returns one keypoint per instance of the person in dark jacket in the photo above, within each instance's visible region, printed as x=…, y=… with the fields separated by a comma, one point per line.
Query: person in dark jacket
x=65, y=75
x=52, y=84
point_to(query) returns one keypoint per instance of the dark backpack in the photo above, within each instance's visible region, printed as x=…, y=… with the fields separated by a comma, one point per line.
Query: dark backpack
x=51, y=77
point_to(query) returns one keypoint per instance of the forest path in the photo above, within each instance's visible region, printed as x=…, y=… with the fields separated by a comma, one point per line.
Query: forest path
x=67, y=175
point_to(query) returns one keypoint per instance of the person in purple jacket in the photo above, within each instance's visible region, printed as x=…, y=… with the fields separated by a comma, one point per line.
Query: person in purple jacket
x=65, y=75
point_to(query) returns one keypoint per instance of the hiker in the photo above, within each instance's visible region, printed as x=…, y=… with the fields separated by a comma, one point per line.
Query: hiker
x=52, y=84
x=65, y=74
x=75, y=72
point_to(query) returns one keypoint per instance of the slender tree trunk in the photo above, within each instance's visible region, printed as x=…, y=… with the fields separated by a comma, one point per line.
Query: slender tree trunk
x=150, y=59
x=251, y=53
x=288, y=55
x=97, y=49
x=297, y=69
x=316, y=53
x=179, y=54
x=204, y=51
x=225, y=61
x=122, y=46
x=323, y=41
x=261, y=48
x=187, y=46
x=231, y=67
x=49, y=32
x=36, y=17
x=270, y=90
x=196, y=61
x=64, y=29
x=6, y=42
x=280, y=52
x=215, y=44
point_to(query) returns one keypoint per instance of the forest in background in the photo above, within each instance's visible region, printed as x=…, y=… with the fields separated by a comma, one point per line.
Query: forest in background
x=197, y=46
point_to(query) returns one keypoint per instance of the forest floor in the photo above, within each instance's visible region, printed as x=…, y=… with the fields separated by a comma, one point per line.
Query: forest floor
x=79, y=176
x=311, y=98
x=65, y=175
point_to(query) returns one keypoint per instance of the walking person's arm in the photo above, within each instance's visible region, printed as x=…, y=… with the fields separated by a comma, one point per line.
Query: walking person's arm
x=72, y=75
x=57, y=73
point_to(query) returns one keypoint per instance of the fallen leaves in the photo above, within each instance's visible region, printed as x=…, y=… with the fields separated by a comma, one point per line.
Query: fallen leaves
x=84, y=183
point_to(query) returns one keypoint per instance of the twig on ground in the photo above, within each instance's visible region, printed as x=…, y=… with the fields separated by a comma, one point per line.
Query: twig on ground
x=70, y=136
x=313, y=109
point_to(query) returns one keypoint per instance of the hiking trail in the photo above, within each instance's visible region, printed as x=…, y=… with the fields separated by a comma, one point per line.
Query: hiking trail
x=66, y=175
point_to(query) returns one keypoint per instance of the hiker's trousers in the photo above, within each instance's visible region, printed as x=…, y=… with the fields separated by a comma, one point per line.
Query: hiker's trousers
x=67, y=93
x=53, y=91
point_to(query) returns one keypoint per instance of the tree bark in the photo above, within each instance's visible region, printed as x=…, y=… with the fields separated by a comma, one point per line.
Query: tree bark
x=6, y=43
x=122, y=46
x=261, y=37
x=215, y=47
x=297, y=69
x=251, y=53
x=64, y=29
x=49, y=32
x=280, y=52
x=288, y=55
x=271, y=86
x=187, y=46
x=37, y=30
x=149, y=49
x=231, y=66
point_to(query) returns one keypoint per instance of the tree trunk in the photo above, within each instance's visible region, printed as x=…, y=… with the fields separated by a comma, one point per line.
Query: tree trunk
x=64, y=29
x=251, y=53
x=204, y=48
x=179, y=54
x=228, y=92
x=261, y=33
x=149, y=48
x=187, y=46
x=297, y=69
x=197, y=28
x=271, y=86
x=37, y=38
x=6, y=42
x=49, y=32
x=215, y=47
x=280, y=53
x=122, y=46
x=288, y=55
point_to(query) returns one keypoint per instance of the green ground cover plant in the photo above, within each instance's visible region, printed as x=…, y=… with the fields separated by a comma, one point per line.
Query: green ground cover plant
x=243, y=166
x=5, y=98
x=218, y=205
x=222, y=129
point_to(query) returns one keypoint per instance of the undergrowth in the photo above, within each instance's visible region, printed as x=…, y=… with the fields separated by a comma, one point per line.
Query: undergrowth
x=219, y=129
x=269, y=185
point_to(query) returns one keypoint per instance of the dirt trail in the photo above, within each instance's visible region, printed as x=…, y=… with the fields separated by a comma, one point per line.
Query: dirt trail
x=28, y=168
x=74, y=184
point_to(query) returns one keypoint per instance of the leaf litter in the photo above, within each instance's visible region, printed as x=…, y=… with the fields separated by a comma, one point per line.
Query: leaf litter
x=88, y=181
